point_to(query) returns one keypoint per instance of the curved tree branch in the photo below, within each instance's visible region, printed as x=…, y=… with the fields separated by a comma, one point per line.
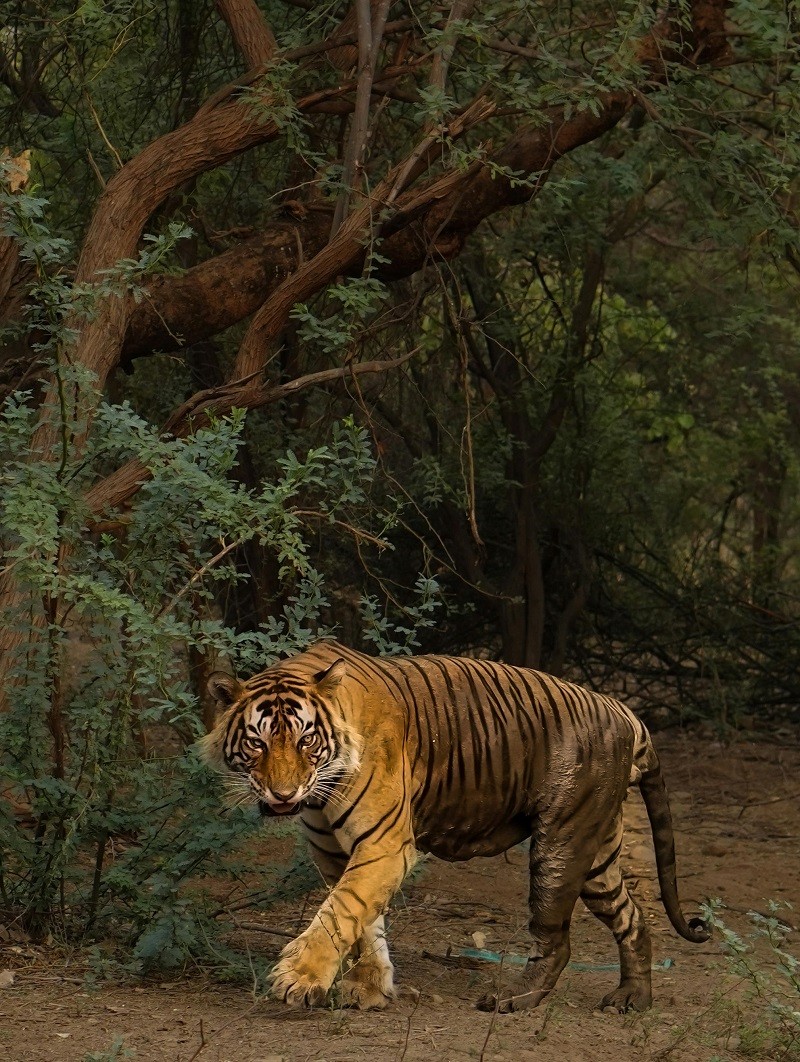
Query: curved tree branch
x=225, y=290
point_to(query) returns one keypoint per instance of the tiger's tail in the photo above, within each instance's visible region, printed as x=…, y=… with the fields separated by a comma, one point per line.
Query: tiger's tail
x=654, y=793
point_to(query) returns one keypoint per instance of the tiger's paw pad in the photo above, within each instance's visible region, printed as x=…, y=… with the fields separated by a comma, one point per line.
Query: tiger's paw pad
x=630, y=995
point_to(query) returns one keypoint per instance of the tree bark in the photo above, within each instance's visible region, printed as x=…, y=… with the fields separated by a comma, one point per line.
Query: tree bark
x=253, y=37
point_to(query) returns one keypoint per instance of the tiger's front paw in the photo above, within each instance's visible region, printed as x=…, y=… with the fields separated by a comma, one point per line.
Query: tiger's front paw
x=297, y=989
x=304, y=973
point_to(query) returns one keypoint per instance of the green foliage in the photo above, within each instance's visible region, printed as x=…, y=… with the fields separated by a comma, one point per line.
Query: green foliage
x=770, y=1025
x=106, y=826
x=110, y=668
x=116, y=1052
x=399, y=638
x=352, y=303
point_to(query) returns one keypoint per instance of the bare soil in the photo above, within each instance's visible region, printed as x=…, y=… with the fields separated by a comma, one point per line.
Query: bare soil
x=737, y=814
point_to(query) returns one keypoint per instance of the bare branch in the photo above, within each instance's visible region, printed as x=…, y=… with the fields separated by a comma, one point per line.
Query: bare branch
x=710, y=38
x=114, y=490
x=460, y=10
x=369, y=41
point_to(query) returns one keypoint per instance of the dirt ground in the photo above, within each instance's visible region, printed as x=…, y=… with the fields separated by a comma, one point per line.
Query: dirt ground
x=737, y=814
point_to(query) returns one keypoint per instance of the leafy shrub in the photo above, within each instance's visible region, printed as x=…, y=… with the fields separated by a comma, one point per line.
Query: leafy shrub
x=96, y=825
x=769, y=1024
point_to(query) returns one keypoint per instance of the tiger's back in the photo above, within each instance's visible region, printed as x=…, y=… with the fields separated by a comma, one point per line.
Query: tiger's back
x=487, y=745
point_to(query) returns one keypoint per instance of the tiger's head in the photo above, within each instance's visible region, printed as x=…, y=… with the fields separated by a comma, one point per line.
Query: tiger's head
x=282, y=740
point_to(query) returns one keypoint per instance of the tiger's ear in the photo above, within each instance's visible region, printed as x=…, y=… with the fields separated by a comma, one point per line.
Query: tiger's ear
x=224, y=688
x=326, y=681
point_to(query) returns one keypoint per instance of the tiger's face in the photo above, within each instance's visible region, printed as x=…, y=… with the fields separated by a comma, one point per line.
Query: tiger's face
x=278, y=738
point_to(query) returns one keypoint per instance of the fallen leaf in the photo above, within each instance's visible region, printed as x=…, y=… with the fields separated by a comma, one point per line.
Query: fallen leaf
x=19, y=168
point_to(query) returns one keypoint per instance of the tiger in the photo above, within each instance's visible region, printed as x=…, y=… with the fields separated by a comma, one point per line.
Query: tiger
x=384, y=759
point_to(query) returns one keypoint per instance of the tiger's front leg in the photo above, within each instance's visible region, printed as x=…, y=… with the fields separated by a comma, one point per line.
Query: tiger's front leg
x=308, y=965
x=369, y=983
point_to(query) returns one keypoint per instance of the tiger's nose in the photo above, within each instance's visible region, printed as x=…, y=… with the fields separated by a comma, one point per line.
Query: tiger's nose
x=284, y=796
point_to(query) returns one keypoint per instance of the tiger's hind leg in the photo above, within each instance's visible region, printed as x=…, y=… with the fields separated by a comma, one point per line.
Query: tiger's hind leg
x=369, y=983
x=557, y=873
x=607, y=897
x=566, y=844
